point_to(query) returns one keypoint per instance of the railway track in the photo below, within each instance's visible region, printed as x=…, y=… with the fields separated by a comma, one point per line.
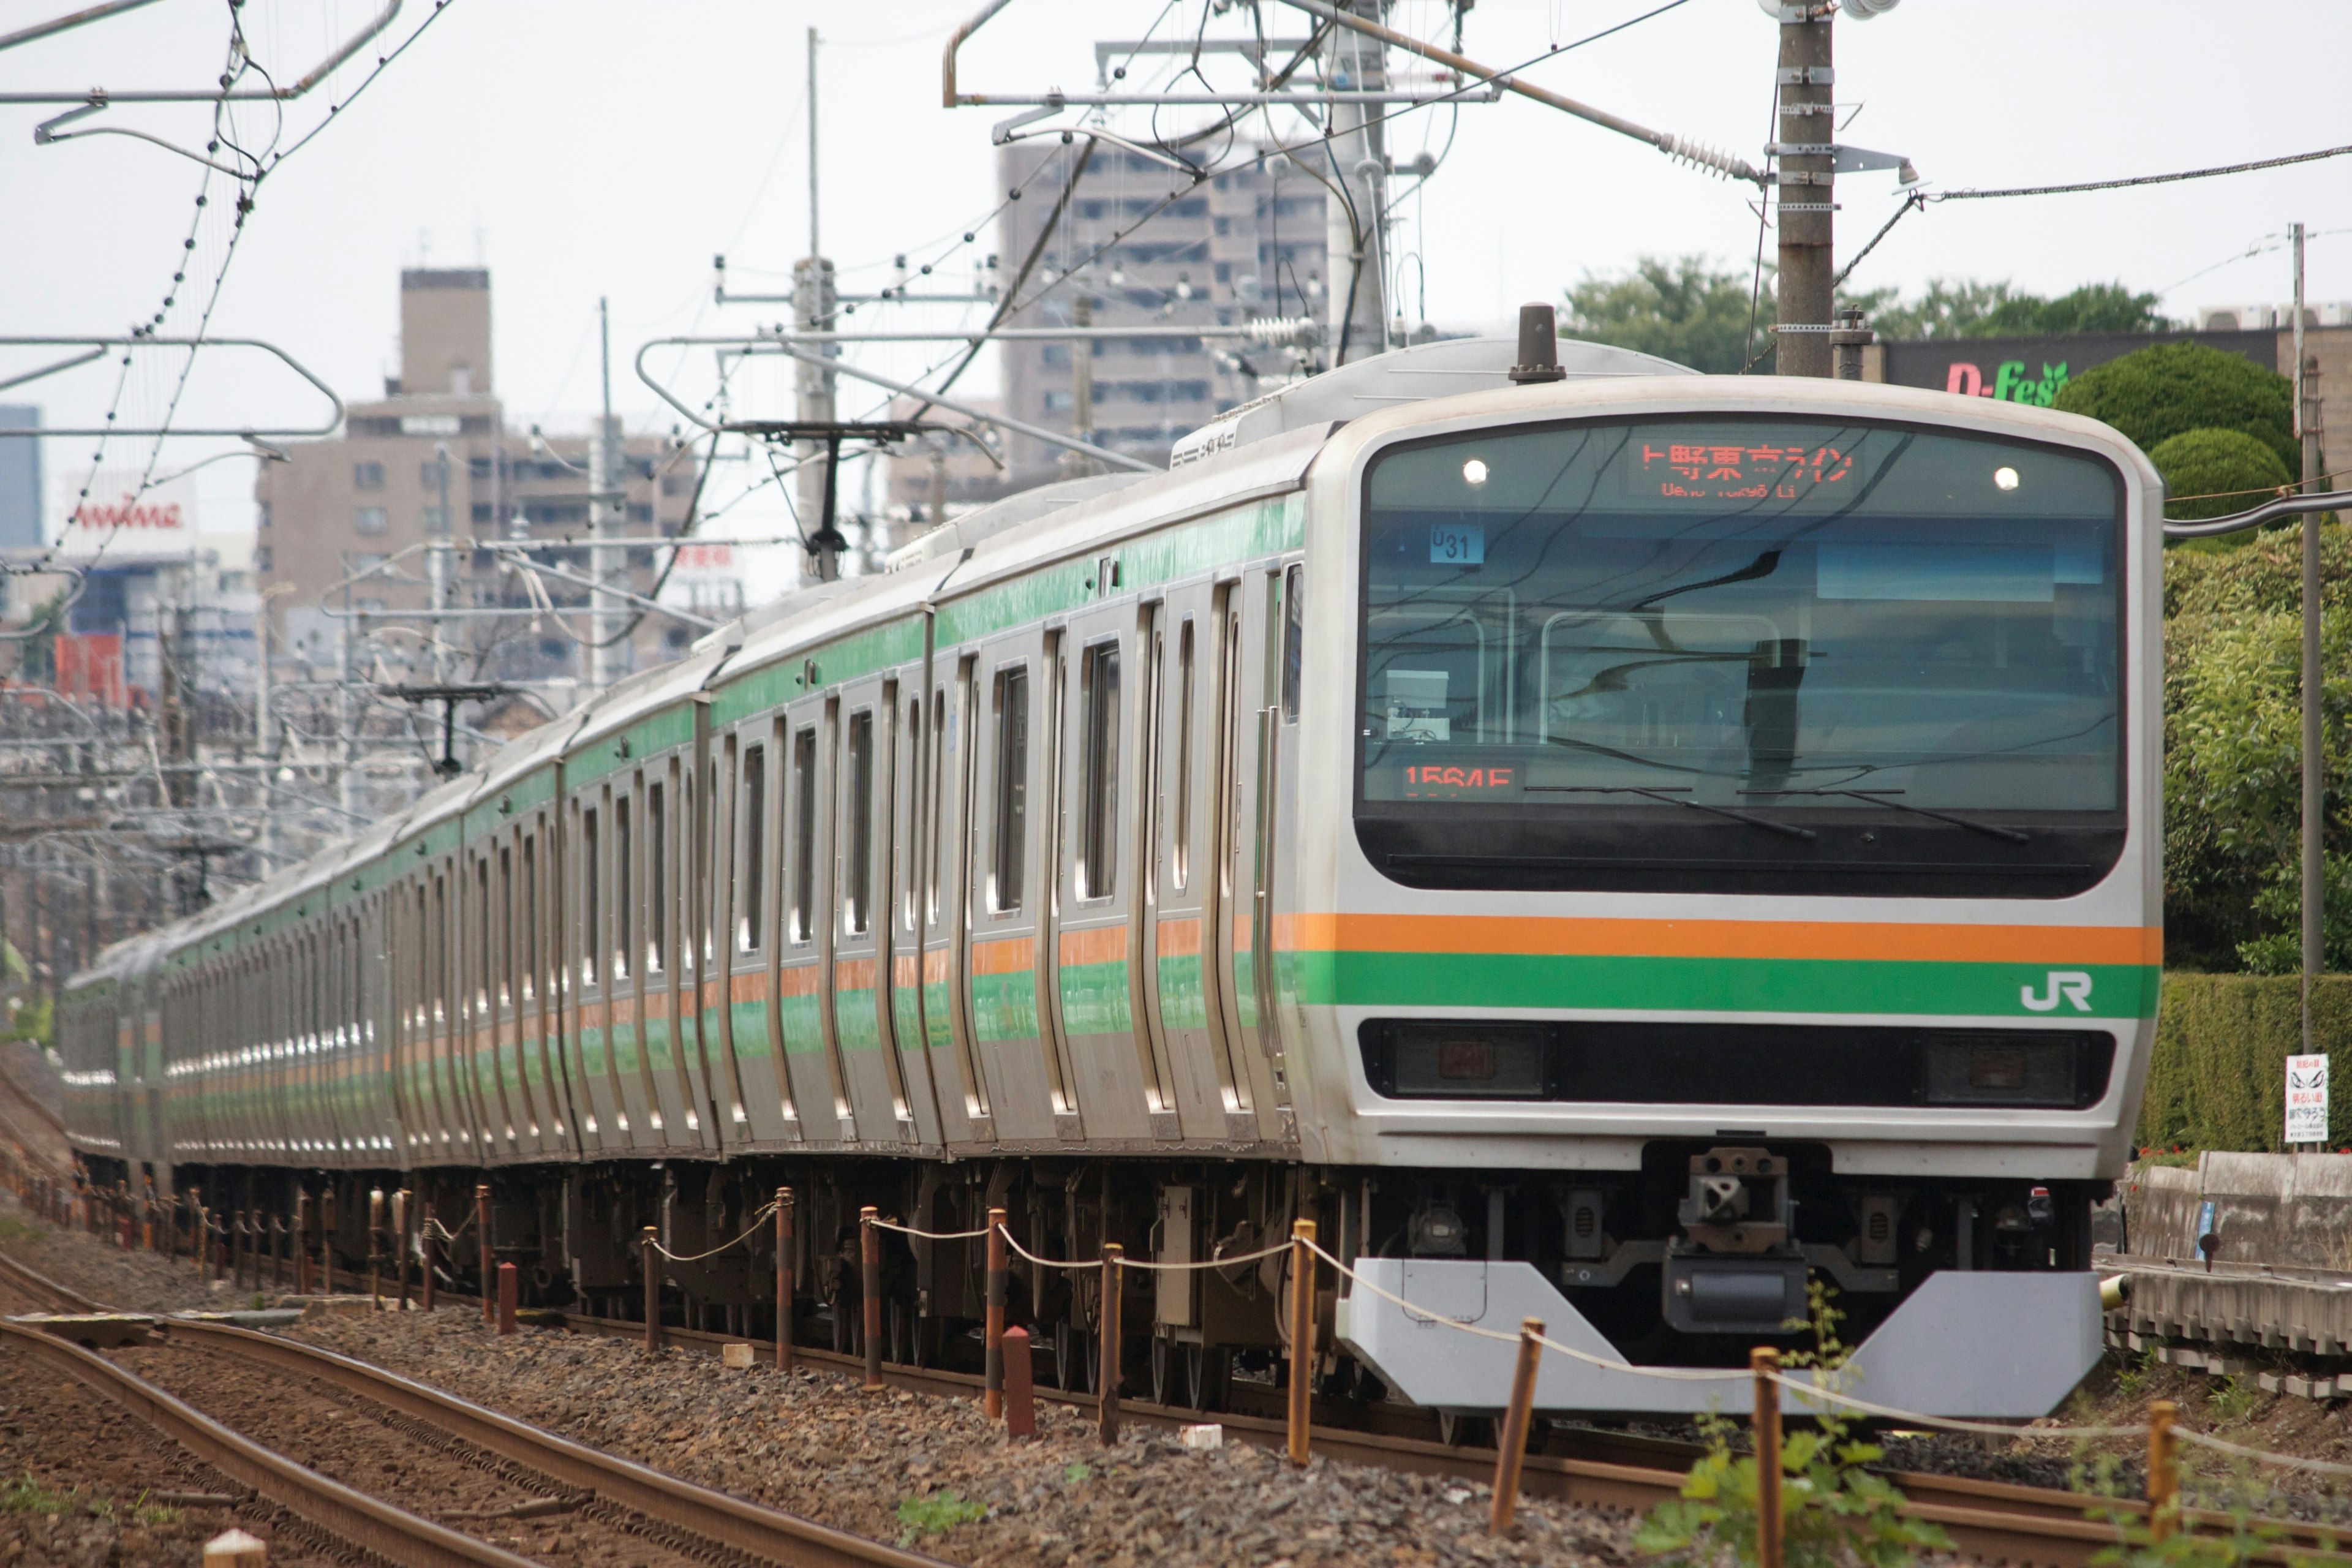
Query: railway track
x=1990, y=1521
x=1993, y=1521
x=691, y=1521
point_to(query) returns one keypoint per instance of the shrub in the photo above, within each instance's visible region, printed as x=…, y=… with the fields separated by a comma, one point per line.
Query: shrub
x=2167, y=389
x=2227, y=470
x=2217, y=1076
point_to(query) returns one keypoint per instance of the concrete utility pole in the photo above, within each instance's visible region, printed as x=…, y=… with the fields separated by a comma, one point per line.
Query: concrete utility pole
x=814, y=305
x=2314, y=816
x=1082, y=390
x=437, y=565
x=1803, y=210
x=609, y=660
x=1355, y=228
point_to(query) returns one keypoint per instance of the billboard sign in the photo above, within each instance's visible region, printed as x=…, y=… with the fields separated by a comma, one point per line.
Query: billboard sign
x=2034, y=370
x=123, y=523
x=2307, y=1100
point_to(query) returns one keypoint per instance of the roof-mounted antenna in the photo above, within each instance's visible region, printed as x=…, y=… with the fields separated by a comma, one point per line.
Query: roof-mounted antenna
x=1538, y=346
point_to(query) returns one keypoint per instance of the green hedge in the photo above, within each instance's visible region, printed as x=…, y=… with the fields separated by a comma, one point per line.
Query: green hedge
x=2221, y=1042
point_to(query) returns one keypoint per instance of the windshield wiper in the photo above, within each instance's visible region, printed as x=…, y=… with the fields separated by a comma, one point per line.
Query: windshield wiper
x=1878, y=797
x=1670, y=794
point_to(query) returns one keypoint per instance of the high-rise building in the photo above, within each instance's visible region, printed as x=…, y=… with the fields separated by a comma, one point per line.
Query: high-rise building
x=1144, y=244
x=344, y=525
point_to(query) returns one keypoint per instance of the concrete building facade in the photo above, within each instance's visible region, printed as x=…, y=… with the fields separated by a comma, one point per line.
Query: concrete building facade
x=1146, y=247
x=342, y=527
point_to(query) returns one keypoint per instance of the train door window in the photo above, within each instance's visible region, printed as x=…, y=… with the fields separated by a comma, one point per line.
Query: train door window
x=1293, y=639
x=506, y=946
x=804, y=832
x=1180, y=861
x=938, y=799
x=530, y=916
x=592, y=881
x=482, y=932
x=916, y=795
x=657, y=875
x=625, y=908
x=754, y=881
x=438, y=946
x=857, y=862
x=1010, y=841
x=1099, y=764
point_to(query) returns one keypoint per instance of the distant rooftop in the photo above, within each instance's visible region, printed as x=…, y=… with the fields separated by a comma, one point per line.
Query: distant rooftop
x=414, y=278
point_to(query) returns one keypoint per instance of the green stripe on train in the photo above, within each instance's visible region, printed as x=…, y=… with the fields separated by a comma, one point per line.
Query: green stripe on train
x=1723, y=984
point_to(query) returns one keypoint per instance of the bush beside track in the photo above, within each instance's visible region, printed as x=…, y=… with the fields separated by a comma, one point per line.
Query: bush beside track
x=2222, y=1045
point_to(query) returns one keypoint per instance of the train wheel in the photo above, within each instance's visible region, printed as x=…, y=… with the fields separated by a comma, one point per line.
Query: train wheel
x=1461, y=1431
x=1207, y=1370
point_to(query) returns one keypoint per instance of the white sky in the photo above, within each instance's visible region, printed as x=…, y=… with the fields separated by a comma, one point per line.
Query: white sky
x=592, y=147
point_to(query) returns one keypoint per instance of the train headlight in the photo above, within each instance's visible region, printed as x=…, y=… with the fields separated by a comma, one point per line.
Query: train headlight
x=2004, y=1070
x=2004, y=478
x=1474, y=472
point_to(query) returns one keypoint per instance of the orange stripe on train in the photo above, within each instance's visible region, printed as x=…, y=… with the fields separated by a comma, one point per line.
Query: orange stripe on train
x=1570, y=936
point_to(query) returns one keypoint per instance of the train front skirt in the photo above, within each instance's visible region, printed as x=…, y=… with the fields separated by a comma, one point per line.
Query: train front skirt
x=2003, y=1346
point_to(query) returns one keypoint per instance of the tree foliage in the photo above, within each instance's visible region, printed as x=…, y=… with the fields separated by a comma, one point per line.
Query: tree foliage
x=1687, y=310
x=1679, y=309
x=2233, y=749
x=2213, y=473
x=2167, y=389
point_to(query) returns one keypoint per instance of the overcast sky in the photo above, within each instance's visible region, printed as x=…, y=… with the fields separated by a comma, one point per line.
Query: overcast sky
x=610, y=147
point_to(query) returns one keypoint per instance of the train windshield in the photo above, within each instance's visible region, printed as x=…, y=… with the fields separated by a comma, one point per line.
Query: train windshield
x=1817, y=645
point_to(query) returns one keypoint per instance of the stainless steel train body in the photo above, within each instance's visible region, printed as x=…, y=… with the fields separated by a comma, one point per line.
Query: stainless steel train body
x=1619, y=849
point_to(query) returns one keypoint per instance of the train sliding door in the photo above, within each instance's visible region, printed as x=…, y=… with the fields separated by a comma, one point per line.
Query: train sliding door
x=948, y=857
x=900, y=911
x=1100, y=754
x=864, y=1031
x=763, y=1111
x=1242, y=928
x=1183, y=889
x=812, y=1050
x=1011, y=892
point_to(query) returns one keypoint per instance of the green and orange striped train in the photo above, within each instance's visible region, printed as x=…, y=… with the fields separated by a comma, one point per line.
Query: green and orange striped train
x=1609, y=844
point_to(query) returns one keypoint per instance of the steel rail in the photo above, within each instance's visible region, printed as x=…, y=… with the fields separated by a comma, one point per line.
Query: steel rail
x=377, y=1527
x=714, y=1515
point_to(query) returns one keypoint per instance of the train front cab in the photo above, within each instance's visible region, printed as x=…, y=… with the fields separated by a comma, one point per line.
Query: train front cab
x=1745, y=879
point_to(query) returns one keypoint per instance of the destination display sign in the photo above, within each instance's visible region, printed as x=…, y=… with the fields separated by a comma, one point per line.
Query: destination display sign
x=1713, y=464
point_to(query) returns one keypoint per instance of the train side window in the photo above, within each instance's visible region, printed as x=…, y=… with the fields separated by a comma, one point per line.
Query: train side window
x=593, y=886
x=625, y=908
x=437, y=946
x=804, y=832
x=1009, y=842
x=1099, y=764
x=858, y=862
x=658, y=921
x=1181, y=860
x=753, y=881
x=1293, y=639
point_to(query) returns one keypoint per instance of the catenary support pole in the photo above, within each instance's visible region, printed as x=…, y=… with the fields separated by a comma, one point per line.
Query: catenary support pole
x=2315, y=803
x=1803, y=210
